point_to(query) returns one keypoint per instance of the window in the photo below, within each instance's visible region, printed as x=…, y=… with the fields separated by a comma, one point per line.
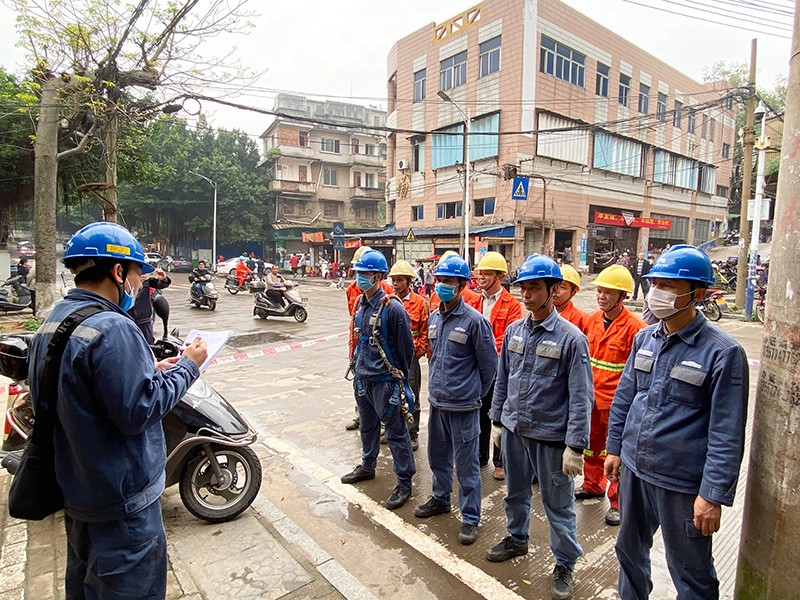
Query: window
x=661, y=107
x=701, y=227
x=722, y=191
x=355, y=146
x=704, y=126
x=484, y=207
x=707, y=179
x=366, y=213
x=417, y=212
x=382, y=149
x=287, y=206
x=448, y=210
x=726, y=150
x=711, y=127
x=302, y=173
x=691, y=121
x=304, y=138
x=453, y=71
x=369, y=149
x=489, y=57
x=369, y=180
x=601, y=81
x=617, y=154
x=673, y=169
x=419, y=85
x=331, y=145
x=729, y=102
x=330, y=177
x=679, y=231
x=330, y=209
x=418, y=153
x=676, y=116
x=447, y=147
x=562, y=62
x=356, y=179
x=624, y=90
x=485, y=145
x=644, y=98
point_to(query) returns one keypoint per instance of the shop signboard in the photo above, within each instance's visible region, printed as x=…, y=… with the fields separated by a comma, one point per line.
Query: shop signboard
x=628, y=220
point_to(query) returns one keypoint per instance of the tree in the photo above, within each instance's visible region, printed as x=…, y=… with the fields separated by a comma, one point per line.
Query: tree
x=88, y=56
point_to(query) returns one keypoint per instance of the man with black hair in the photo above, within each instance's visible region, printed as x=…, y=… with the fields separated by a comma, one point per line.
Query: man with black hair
x=142, y=311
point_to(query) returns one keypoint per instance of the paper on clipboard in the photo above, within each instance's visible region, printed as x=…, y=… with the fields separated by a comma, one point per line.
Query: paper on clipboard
x=215, y=340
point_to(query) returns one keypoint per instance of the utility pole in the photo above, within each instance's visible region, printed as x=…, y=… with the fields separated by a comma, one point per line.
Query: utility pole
x=747, y=177
x=770, y=540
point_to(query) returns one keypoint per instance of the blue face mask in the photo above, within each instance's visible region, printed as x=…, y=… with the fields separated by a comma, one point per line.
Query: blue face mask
x=364, y=282
x=127, y=299
x=445, y=292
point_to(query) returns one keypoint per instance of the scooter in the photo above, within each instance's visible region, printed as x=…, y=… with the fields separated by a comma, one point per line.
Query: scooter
x=233, y=287
x=295, y=305
x=14, y=295
x=710, y=306
x=208, y=292
x=208, y=441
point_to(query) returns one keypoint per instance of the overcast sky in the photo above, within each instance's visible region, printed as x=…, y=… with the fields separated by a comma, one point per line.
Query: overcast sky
x=320, y=47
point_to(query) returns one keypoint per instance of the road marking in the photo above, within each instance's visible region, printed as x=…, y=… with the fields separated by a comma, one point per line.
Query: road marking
x=275, y=349
x=472, y=576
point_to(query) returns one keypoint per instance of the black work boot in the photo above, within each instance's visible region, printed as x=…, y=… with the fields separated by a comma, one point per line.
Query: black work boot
x=431, y=508
x=358, y=474
x=507, y=548
x=399, y=496
x=562, y=584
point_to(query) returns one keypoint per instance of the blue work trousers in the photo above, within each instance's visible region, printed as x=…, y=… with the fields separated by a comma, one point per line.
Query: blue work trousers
x=117, y=560
x=453, y=437
x=373, y=403
x=644, y=508
x=523, y=458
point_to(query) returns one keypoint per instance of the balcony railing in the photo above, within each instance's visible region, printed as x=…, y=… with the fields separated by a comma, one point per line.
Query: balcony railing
x=293, y=187
x=363, y=193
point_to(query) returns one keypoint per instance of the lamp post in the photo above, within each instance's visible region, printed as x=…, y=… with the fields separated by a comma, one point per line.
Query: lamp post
x=214, y=223
x=465, y=209
x=755, y=230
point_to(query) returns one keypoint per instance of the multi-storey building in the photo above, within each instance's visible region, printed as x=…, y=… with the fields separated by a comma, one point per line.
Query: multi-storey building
x=324, y=173
x=632, y=154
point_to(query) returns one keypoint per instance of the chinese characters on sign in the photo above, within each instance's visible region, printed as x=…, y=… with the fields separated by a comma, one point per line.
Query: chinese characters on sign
x=604, y=218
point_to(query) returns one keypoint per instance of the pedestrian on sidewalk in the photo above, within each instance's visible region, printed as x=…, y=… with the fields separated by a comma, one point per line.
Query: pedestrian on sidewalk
x=382, y=360
x=639, y=269
x=611, y=331
x=500, y=308
x=461, y=368
x=109, y=443
x=676, y=432
x=540, y=412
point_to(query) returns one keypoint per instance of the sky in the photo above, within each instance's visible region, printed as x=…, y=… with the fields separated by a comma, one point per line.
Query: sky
x=323, y=48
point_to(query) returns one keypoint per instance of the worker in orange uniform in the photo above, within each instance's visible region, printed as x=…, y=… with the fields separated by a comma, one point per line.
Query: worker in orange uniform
x=242, y=271
x=353, y=293
x=402, y=274
x=500, y=308
x=611, y=333
x=470, y=297
x=563, y=295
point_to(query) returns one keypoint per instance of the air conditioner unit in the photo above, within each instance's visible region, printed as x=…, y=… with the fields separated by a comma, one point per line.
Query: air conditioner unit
x=402, y=165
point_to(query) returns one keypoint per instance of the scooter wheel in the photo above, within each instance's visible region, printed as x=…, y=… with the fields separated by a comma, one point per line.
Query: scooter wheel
x=300, y=314
x=233, y=290
x=212, y=303
x=712, y=310
x=217, y=501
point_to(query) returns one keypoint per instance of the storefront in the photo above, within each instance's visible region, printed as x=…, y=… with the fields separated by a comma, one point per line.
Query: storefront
x=612, y=232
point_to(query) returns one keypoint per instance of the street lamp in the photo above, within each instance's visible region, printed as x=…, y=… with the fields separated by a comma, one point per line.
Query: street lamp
x=755, y=230
x=214, y=225
x=465, y=225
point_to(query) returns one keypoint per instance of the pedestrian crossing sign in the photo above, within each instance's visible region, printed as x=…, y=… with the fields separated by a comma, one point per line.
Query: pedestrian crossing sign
x=410, y=237
x=520, y=190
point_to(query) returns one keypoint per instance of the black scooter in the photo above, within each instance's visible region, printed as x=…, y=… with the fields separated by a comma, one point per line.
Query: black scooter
x=208, y=295
x=14, y=295
x=208, y=441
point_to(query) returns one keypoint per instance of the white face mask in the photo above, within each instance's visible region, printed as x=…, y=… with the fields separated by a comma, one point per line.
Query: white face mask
x=662, y=303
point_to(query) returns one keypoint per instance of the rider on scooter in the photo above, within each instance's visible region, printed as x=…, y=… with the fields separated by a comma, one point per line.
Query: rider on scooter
x=242, y=271
x=276, y=285
x=199, y=275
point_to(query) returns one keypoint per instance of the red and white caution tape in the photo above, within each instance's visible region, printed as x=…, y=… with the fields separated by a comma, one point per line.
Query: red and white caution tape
x=275, y=349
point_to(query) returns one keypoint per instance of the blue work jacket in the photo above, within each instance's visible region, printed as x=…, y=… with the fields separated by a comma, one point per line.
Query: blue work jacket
x=463, y=357
x=395, y=322
x=678, y=416
x=544, y=382
x=110, y=450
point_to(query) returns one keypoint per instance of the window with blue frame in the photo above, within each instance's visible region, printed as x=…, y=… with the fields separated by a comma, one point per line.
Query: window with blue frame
x=485, y=143
x=561, y=61
x=447, y=146
x=453, y=71
x=617, y=154
x=419, y=85
x=625, y=90
x=417, y=213
x=448, y=210
x=489, y=57
x=601, y=82
x=644, y=98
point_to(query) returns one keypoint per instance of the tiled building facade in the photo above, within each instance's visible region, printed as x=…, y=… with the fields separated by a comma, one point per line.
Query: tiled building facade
x=620, y=138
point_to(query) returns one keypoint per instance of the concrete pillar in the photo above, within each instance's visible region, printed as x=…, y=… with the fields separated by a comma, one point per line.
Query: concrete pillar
x=770, y=541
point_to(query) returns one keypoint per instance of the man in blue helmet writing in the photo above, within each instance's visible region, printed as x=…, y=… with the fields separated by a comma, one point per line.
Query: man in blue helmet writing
x=110, y=451
x=676, y=432
x=383, y=353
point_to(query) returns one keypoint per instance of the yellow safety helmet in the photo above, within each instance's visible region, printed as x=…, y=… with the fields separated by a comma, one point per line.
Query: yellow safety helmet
x=615, y=277
x=446, y=254
x=359, y=252
x=569, y=273
x=493, y=261
x=404, y=268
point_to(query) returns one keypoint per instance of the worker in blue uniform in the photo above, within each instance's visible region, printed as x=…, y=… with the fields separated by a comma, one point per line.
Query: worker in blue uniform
x=676, y=432
x=461, y=370
x=382, y=358
x=110, y=451
x=540, y=418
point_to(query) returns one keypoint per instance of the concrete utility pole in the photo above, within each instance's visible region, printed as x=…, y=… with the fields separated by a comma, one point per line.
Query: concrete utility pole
x=770, y=541
x=747, y=177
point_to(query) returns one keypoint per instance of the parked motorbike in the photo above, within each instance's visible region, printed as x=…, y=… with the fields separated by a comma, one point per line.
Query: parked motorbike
x=710, y=306
x=294, y=305
x=208, y=292
x=731, y=238
x=208, y=441
x=760, y=307
x=233, y=287
x=14, y=295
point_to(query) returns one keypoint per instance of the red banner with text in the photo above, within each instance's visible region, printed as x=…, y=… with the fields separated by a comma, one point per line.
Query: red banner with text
x=628, y=220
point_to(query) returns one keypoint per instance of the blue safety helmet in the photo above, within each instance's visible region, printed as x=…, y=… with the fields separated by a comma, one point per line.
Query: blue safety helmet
x=683, y=262
x=103, y=240
x=372, y=261
x=538, y=266
x=452, y=266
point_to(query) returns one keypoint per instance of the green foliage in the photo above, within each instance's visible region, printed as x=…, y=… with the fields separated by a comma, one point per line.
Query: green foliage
x=772, y=167
x=31, y=324
x=16, y=139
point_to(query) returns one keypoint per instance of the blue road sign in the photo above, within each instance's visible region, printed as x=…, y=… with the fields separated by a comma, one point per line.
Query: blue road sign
x=338, y=228
x=338, y=242
x=520, y=189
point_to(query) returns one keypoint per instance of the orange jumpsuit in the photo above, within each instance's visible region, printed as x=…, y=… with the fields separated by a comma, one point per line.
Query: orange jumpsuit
x=576, y=316
x=608, y=352
x=241, y=273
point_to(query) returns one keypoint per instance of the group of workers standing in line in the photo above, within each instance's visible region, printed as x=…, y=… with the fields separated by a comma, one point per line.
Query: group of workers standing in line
x=653, y=415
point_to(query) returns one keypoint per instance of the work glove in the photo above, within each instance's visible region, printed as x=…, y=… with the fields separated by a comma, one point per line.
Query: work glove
x=572, y=463
x=497, y=433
